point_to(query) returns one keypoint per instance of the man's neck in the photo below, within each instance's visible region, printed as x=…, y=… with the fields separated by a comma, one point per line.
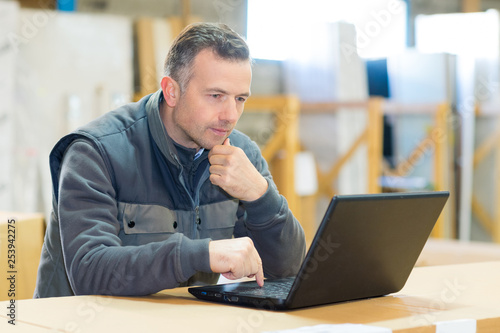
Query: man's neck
x=166, y=118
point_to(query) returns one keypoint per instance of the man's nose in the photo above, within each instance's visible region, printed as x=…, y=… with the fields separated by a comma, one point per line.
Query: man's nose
x=230, y=111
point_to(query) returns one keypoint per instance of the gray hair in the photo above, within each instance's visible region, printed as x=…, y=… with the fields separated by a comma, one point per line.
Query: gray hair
x=222, y=40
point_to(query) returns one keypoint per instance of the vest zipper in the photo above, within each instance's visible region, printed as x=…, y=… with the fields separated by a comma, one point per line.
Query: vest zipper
x=198, y=221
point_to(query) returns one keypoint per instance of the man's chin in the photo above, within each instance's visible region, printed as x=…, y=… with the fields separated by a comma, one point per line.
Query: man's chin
x=211, y=140
x=210, y=145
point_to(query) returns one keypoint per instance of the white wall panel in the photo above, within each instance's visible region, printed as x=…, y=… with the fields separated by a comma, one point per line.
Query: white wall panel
x=71, y=69
x=9, y=12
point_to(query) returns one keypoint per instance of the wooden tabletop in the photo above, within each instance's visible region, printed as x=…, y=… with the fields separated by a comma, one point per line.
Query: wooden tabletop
x=450, y=295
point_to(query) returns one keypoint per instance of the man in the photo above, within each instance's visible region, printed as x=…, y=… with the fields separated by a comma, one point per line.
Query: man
x=163, y=192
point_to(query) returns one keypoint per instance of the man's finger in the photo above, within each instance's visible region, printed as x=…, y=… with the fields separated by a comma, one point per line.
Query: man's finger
x=218, y=159
x=221, y=149
x=259, y=276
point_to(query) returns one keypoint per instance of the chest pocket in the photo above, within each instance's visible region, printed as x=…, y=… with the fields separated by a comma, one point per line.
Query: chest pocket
x=217, y=220
x=147, y=219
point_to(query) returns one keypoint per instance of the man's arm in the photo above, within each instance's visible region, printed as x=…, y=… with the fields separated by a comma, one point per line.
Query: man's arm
x=95, y=260
x=267, y=220
x=277, y=235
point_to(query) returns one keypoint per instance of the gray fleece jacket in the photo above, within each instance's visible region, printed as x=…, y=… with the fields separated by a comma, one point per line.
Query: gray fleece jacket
x=133, y=212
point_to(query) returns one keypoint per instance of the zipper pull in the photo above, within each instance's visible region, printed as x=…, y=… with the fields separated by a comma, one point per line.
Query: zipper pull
x=197, y=211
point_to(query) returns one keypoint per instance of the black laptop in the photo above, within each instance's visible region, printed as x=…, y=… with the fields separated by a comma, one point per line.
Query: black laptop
x=366, y=246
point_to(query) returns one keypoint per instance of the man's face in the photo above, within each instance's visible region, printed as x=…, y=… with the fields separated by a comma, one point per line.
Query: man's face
x=212, y=102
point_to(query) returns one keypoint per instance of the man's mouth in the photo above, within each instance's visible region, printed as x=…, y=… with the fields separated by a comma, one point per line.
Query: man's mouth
x=220, y=131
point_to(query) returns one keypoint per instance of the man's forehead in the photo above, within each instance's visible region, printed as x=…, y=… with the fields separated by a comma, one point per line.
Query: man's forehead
x=226, y=75
x=210, y=56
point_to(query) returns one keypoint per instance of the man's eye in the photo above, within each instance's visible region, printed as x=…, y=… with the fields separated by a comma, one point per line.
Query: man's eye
x=215, y=95
x=241, y=99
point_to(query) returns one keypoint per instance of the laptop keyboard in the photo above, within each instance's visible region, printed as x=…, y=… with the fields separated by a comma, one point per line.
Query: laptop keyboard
x=273, y=289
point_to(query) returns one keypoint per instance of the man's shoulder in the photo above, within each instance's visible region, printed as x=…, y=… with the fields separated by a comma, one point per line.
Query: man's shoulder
x=243, y=141
x=116, y=121
x=109, y=128
x=240, y=139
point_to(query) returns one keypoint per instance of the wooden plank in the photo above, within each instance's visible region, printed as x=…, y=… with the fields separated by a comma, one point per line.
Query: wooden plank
x=403, y=167
x=29, y=230
x=186, y=12
x=308, y=218
x=266, y=103
x=407, y=108
x=335, y=170
x=275, y=143
x=281, y=148
x=496, y=226
x=145, y=57
x=439, y=163
x=371, y=136
x=313, y=108
x=485, y=148
x=483, y=216
x=177, y=23
x=471, y=6
x=374, y=143
x=389, y=107
x=288, y=116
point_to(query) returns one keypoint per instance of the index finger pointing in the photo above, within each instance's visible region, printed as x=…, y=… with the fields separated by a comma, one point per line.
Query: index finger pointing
x=259, y=276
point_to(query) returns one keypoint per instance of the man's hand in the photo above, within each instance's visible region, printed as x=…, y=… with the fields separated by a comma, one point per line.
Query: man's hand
x=236, y=258
x=232, y=170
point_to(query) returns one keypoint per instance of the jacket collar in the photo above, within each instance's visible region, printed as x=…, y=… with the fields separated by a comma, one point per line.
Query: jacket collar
x=166, y=145
x=158, y=131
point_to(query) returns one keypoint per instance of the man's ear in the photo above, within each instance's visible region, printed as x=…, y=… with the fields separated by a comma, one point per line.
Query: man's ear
x=170, y=90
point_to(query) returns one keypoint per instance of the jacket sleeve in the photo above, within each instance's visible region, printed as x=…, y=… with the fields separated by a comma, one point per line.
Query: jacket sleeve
x=95, y=260
x=268, y=221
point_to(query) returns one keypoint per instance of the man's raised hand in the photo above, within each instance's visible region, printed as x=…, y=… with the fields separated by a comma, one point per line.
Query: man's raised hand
x=231, y=169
